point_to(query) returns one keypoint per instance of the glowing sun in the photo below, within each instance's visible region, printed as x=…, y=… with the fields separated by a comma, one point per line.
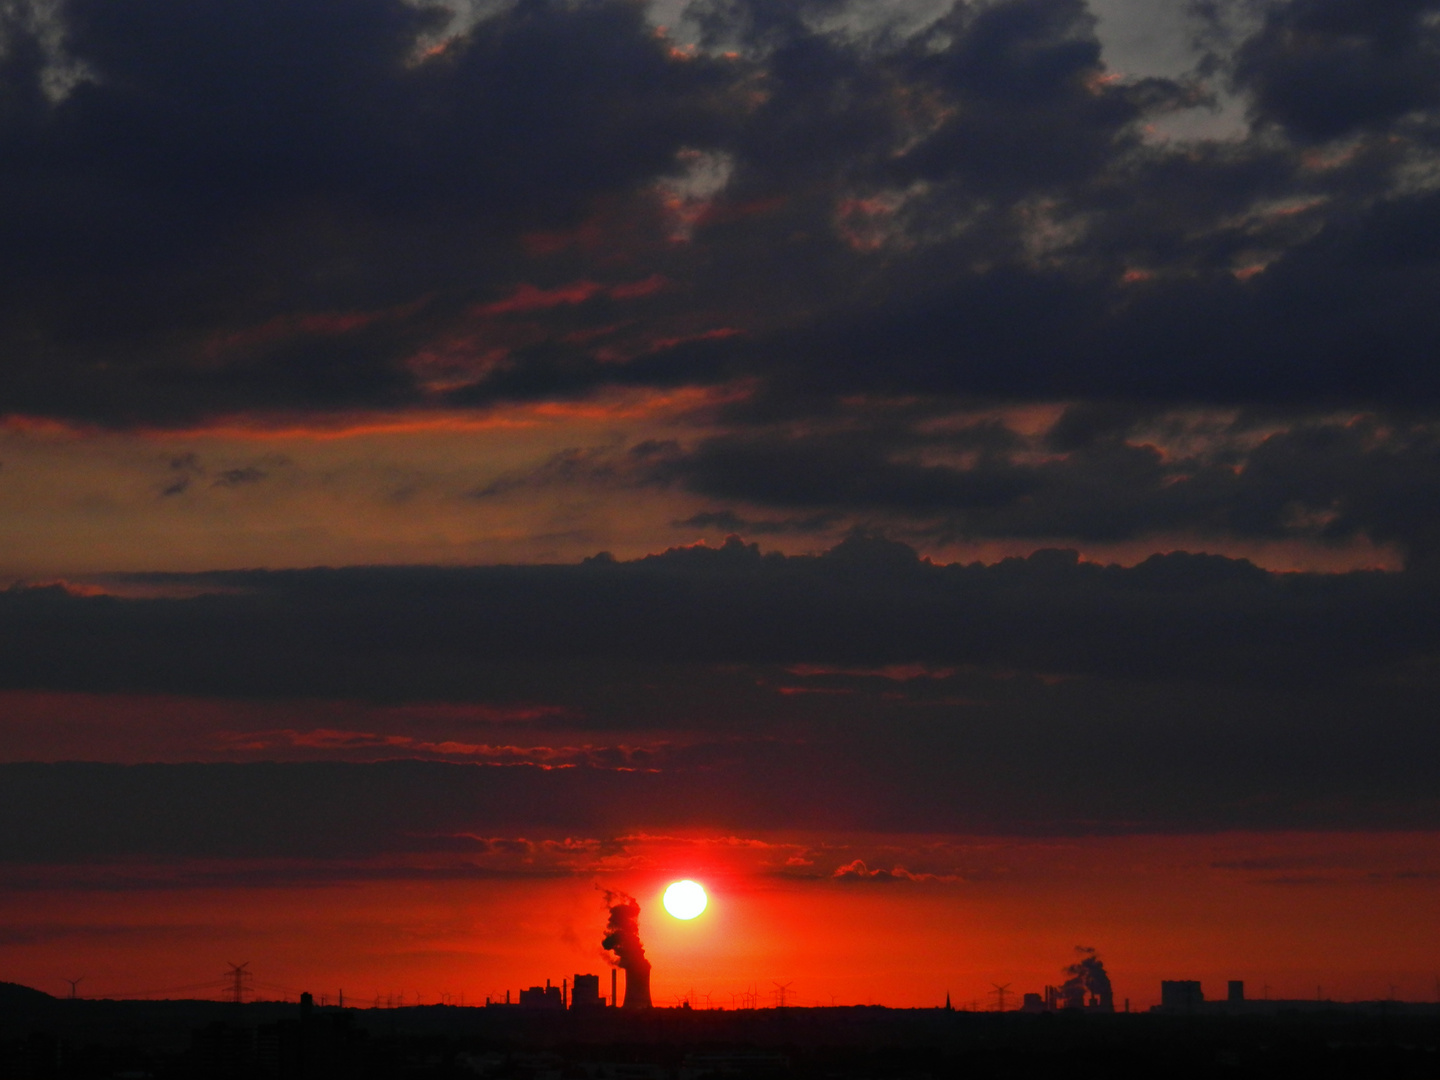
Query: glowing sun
x=685, y=899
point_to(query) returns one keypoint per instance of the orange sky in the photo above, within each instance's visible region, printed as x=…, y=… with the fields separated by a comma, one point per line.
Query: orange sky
x=537, y=482
x=1352, y=914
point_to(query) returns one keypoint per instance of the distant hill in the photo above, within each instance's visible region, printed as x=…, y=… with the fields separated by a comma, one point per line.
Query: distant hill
x=15, y=996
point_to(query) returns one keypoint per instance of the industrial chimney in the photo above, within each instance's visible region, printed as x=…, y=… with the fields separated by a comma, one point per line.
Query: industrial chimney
x=623, y=939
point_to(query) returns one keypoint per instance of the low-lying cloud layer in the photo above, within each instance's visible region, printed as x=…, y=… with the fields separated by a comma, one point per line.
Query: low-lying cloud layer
x=862, y=688
x=438, y=633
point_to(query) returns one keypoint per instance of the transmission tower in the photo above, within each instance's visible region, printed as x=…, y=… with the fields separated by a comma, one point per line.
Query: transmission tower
x=780, y=991
x=238, y=977
x=999, y=992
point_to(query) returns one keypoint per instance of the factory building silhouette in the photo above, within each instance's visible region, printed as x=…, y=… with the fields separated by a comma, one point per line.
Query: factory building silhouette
x=1086, y=990
x=1184, y=995
x=582, y=994
x=622, y=937
x=543, y=997
x=586, y=993
x=1187, y=997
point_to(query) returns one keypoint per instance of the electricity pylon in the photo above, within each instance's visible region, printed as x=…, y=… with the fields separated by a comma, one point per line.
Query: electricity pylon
x=237, y=976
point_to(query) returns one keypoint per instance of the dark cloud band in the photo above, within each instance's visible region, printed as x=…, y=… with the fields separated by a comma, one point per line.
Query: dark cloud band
x=314, y=205
x=440, y=633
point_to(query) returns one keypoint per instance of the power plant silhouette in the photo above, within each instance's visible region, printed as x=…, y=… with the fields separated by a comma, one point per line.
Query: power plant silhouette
x=575, y=1032
x=622, y=937
x=1086, y=990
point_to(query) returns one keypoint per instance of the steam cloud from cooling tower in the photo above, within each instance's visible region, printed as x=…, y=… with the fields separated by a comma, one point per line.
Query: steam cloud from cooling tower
x=623, y=939
x=1088, y=985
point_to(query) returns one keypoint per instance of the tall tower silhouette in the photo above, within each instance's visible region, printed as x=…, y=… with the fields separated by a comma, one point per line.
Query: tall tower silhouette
x=238, y=977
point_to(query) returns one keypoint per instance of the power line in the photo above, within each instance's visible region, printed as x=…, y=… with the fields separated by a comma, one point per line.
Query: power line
x=210, y=984
x=999, y=994
x=237, y=978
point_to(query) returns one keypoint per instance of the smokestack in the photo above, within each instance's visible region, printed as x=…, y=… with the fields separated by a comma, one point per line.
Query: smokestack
x=1088, y=986
x=623, y=939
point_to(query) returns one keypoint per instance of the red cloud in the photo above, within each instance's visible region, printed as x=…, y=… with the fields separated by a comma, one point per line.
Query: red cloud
x=661, y=344
x=645, y=287
x=527, y=298
x=312, y=324
x=858, y=871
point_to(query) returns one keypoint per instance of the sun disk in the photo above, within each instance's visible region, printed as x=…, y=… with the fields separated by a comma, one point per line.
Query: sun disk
x=685, y=899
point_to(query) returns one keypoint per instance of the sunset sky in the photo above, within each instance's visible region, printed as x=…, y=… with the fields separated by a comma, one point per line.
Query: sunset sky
x=959, y=479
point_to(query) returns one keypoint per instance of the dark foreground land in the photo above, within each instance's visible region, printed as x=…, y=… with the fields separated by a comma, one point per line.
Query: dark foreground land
x=44, y=1038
